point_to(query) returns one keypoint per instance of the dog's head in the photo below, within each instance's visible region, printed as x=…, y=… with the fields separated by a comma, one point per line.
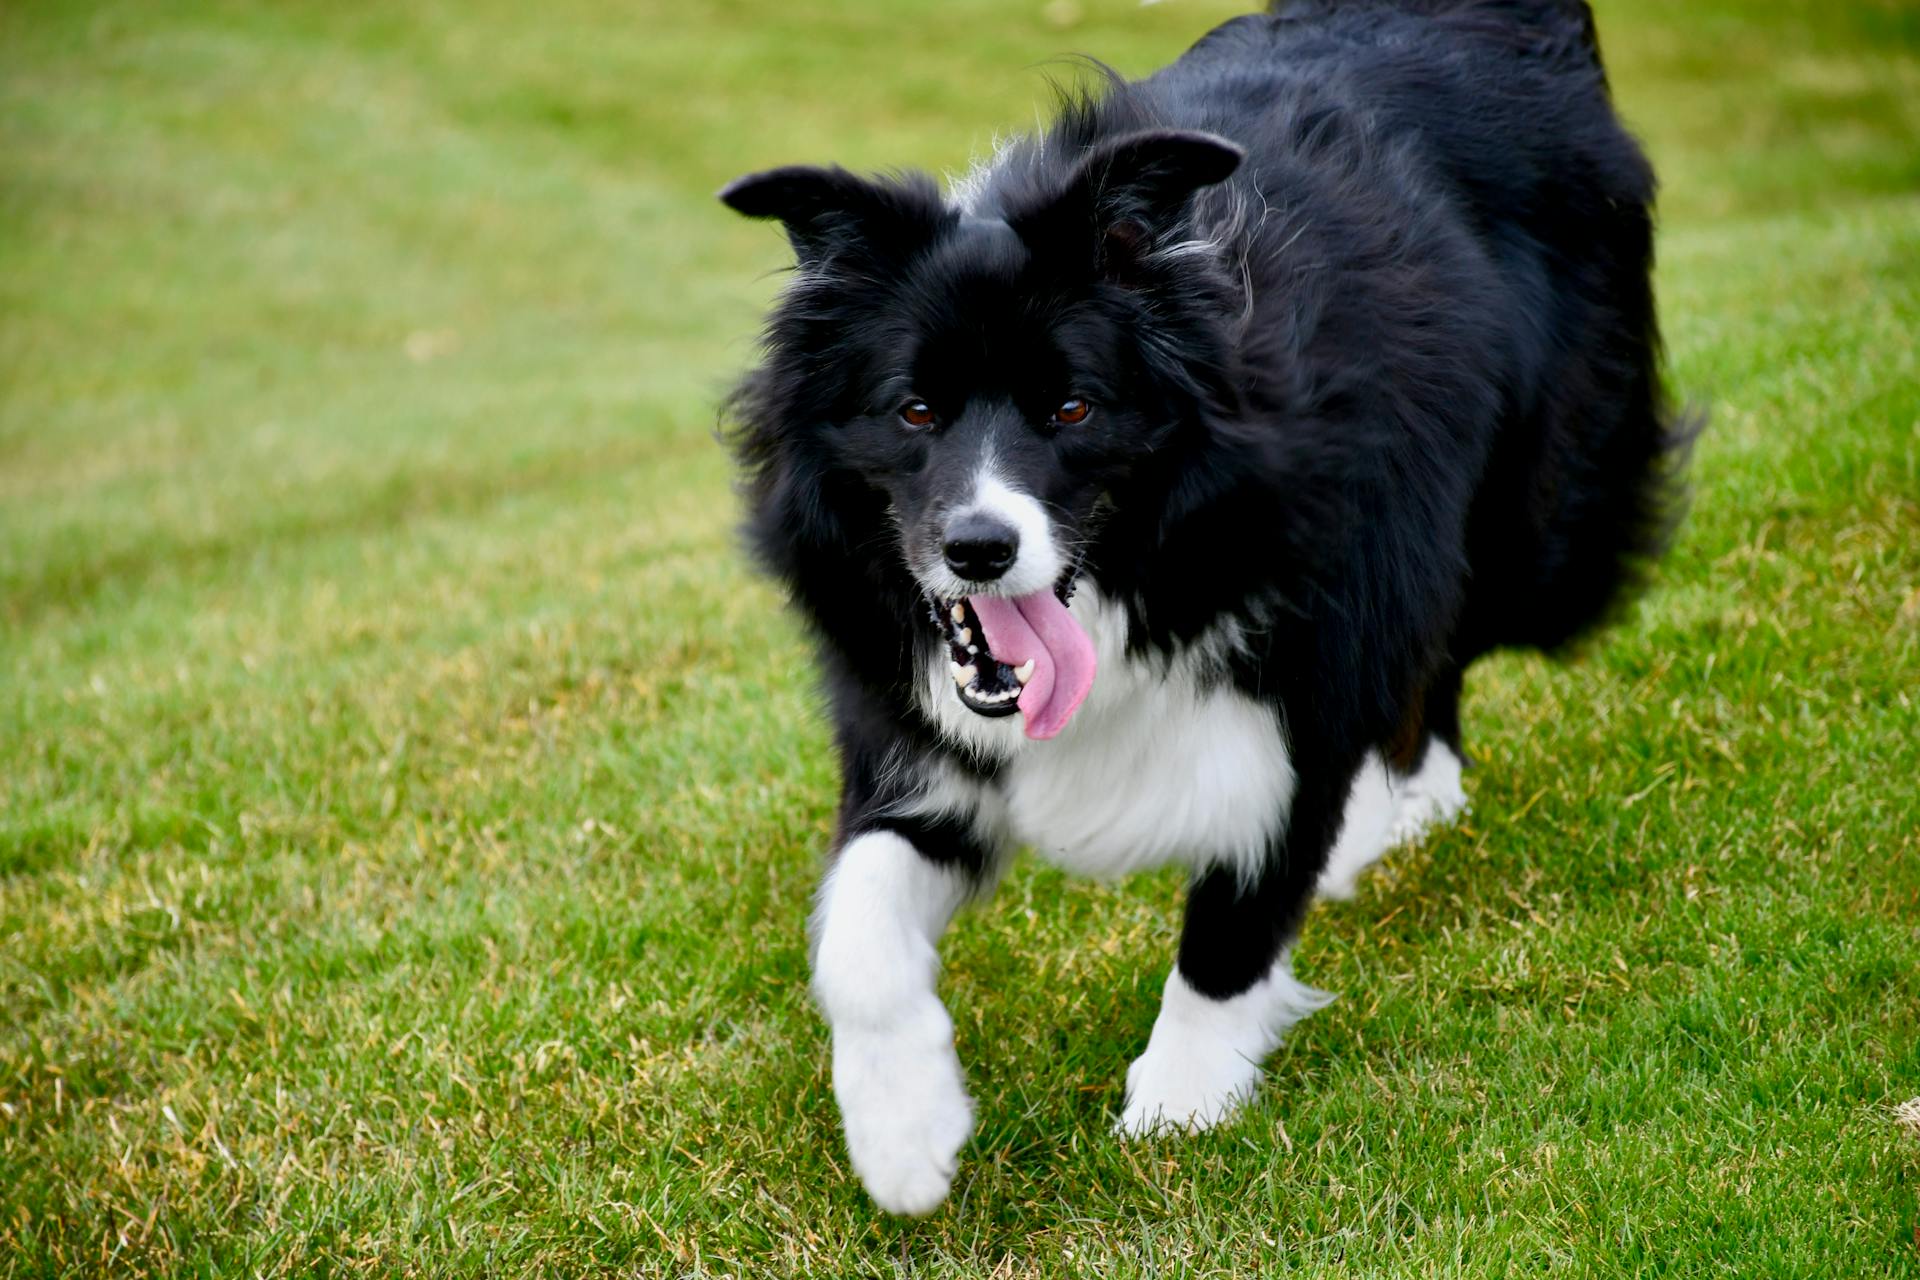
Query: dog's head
x=997, y=378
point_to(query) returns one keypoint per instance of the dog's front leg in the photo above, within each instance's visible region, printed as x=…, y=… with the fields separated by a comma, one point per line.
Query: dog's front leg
x=1232, y=995
x=903, y=1100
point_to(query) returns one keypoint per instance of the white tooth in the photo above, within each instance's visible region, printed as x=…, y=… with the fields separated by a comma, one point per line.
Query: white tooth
x=959, y=613
x=1024, y=672
x=963, y=676
x=966, y=635
x=973, y=648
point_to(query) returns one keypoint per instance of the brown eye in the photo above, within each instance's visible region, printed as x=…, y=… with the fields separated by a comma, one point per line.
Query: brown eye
x=916, y=413
x=1072, y=412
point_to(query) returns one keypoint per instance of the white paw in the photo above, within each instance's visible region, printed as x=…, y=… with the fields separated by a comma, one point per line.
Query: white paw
x=1184, y=1087
x=904, y=1104
x=1384, y=811
x=1365, y=830
x=1333, y=888
x=1203, y=1058
x=1432, y=797
x=1421, y=814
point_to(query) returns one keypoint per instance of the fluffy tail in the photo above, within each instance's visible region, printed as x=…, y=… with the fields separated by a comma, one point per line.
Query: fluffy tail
x=1585, y=484
x=1585, y=490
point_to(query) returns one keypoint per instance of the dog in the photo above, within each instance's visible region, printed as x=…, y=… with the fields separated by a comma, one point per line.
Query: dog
x=1148, y=492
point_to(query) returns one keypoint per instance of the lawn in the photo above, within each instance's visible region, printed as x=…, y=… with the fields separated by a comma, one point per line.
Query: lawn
x=410, y=800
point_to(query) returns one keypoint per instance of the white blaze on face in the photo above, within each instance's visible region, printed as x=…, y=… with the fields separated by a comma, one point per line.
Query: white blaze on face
x=1040, y=562
x=1043, y=652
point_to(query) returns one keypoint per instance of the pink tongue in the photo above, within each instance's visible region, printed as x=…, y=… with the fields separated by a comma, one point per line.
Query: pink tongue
x=1039, y=627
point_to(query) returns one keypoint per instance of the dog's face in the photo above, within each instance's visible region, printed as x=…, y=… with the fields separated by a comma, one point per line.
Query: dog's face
x=998, y=379
x=993, y=402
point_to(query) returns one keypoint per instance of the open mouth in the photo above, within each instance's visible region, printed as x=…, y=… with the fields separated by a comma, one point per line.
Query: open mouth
x=986, y=685
x=1018, y=653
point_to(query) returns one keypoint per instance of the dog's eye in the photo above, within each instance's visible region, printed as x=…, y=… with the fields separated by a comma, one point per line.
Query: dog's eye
x=1072, y=412
x=916, y=413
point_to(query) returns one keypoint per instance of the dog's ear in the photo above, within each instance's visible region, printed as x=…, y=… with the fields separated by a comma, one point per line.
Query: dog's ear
x=830, y=210
x=1127, y=193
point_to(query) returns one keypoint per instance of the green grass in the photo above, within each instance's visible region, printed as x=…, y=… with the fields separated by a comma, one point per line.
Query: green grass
x=409, y=801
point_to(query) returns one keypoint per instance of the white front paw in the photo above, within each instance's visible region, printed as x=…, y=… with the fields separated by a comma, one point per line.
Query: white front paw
x=1203, y=1058
x=1185, y=1085
x=906, y=1111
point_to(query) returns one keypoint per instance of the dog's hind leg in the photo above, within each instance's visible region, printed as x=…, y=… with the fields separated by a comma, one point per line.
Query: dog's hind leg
x=1401, y=793
x=1366, y=829
x=1428, y=790
x=1431, y=796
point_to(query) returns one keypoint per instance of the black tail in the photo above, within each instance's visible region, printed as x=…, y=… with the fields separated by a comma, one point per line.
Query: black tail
x=1585, y=484
x=1601, y=472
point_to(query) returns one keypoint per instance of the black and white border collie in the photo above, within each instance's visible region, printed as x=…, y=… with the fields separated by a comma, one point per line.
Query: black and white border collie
x=1148, y=492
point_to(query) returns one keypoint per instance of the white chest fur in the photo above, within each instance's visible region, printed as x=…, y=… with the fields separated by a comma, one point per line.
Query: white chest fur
x=1161, y=764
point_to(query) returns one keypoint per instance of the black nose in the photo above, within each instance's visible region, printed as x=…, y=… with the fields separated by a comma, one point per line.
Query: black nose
x=980, y=547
